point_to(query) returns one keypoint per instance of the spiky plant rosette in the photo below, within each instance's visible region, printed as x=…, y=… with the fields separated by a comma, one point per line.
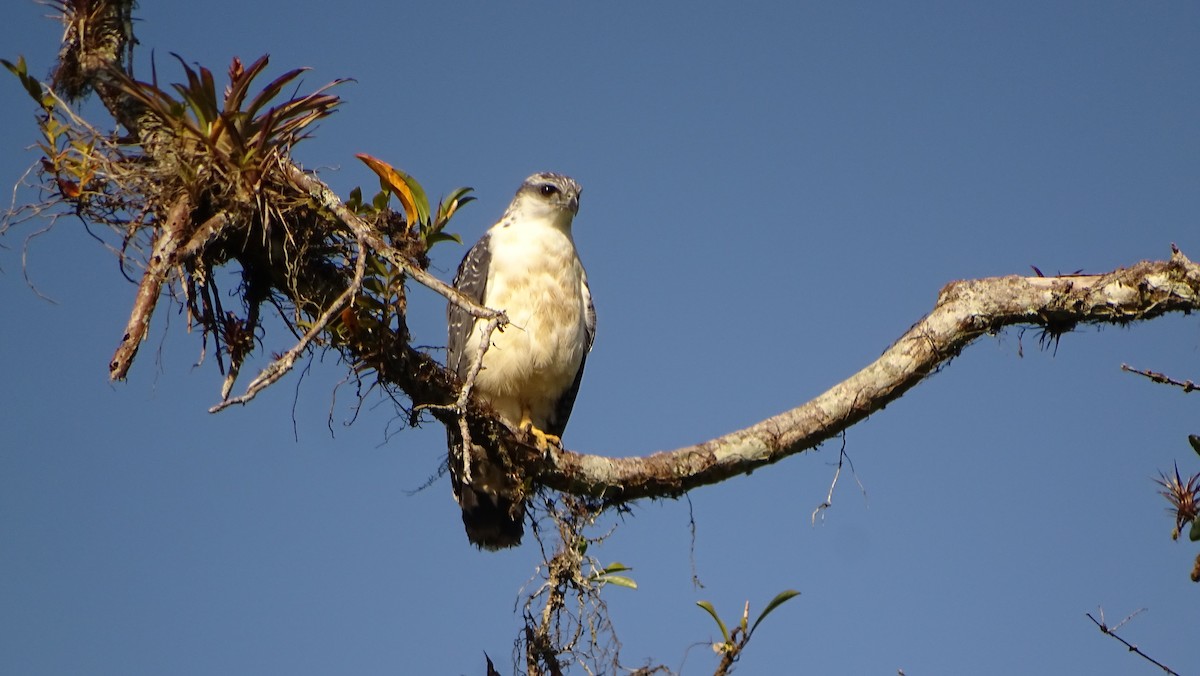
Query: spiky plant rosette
x=1184, y=496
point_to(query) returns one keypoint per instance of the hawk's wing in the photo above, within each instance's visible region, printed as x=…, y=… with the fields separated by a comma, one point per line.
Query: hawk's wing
x=492, y=511
x=562, y=409
x=471, y=280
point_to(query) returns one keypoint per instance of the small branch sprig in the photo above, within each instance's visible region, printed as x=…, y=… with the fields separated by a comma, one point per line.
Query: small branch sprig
x=1112, y=631
x=734, y=642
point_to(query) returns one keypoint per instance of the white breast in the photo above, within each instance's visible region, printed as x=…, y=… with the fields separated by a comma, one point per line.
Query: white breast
x=534, y=276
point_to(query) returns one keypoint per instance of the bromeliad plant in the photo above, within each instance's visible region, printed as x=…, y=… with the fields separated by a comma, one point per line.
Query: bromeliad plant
x=203, y=179
x=1184, y=496
x=240, y=138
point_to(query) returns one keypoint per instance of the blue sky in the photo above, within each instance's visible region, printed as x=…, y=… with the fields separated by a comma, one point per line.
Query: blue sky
x=773, y=192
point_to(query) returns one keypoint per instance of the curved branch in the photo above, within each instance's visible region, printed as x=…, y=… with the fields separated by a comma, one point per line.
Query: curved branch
x=964, y=311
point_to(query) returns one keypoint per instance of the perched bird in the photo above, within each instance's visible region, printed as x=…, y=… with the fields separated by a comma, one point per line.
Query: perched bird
x=527, y=266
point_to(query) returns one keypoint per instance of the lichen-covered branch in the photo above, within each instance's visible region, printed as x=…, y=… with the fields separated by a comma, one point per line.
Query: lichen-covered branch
x=964, y=311
x=166, y=245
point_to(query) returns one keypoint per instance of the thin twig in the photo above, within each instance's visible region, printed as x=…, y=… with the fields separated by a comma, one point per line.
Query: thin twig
x=485, y=342
x=843, y=457
x=1112, y=631
x=1186, y=385
x=459, y=406
x=464, y=393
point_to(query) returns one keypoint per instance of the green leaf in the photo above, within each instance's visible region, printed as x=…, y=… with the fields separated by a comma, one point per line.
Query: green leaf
x=713, y=611
x=435, y=237
x=1195, y=442
x=460, y=195
x=452, y=203
x=418, y=194
x=607, y=575
x=31, y=84
x=779, y=599
x=620, y=581
x=1194, y=535
x=19, y=68
x=378, y=266
x=369, y=303
x=374, y=285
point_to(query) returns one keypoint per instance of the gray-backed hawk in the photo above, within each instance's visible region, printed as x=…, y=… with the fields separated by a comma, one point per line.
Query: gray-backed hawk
x=527, y=266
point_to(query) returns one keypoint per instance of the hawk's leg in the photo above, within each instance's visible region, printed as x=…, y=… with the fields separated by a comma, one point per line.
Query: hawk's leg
x=542, y=440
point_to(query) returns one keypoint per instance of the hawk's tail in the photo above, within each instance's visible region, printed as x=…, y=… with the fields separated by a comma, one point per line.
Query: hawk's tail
x=492, y=521
x=492, y=502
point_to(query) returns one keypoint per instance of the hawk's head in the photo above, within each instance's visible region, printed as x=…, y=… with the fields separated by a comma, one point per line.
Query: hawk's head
x=547, y=195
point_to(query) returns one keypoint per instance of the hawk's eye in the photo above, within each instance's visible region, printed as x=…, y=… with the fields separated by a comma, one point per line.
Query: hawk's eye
x=548, y=190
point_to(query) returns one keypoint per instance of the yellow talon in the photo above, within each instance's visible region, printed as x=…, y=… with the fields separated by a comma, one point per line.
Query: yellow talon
x=542, y=440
